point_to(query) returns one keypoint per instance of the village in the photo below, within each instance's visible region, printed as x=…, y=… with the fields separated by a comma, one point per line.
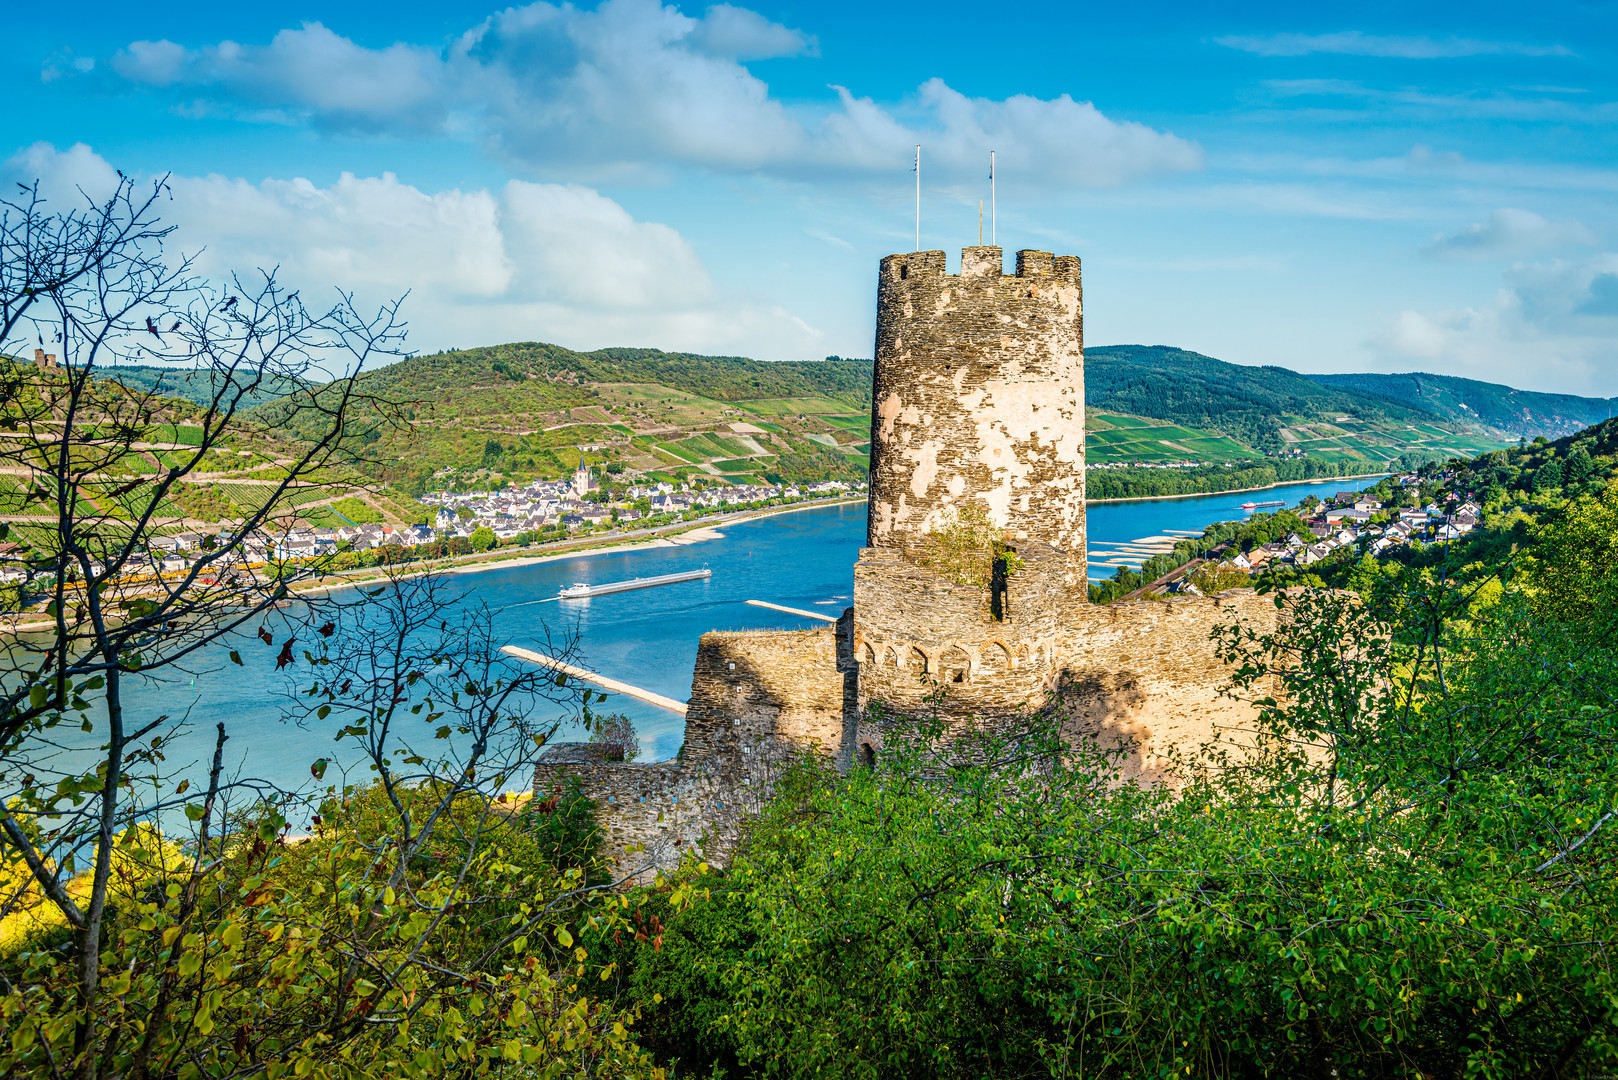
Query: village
x=1357, y=522
x=540, y=512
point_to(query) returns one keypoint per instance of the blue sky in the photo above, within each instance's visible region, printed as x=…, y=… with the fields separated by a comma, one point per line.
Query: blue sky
x=1325, y=187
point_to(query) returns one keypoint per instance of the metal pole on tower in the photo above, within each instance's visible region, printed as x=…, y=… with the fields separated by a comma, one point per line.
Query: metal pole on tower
x=994, y=234
x=918, y=196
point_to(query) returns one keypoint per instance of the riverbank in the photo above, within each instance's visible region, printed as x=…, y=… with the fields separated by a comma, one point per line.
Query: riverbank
x=675, y=535
x=672, y=535
x=1235, y=491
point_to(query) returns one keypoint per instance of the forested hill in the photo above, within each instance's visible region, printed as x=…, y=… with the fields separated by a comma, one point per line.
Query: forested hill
x=1527, y=413
x=1251, y=404
x=546, y=376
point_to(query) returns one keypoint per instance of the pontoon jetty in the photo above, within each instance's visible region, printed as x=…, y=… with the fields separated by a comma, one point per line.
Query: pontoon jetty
x=583, y=589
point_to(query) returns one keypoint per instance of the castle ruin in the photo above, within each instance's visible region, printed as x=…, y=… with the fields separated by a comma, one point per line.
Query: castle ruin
x=977, y=415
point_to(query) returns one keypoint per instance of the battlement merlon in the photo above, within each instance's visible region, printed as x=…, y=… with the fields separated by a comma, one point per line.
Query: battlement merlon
x=979, y=262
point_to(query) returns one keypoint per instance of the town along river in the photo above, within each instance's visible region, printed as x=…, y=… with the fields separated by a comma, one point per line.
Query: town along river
x=646, y=638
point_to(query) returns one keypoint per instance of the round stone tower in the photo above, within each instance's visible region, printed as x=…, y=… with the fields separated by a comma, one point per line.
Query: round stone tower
x=978, y=401
x=979, y=398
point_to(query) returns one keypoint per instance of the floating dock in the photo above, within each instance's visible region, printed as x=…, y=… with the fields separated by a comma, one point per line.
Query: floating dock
x=585, y=589
x=600, y=680
x=792, y=610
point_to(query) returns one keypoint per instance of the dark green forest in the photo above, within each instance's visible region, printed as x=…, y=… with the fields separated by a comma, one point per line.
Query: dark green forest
x=561, y=374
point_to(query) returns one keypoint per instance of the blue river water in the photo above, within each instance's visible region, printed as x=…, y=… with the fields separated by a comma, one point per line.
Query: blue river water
x=647, y=637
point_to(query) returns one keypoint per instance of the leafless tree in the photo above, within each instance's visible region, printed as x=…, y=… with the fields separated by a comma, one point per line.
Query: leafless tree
x=94, y=476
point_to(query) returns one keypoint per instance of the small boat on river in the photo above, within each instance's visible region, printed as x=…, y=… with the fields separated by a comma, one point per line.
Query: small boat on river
x=1258, y=505
x=583, y=589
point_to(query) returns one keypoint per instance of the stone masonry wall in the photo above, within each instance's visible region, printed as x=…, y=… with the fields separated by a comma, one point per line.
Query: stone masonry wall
x=978, y=396
x=758, y=699
x=771, y=693
x=1143, y=675
x=914, y=628
x=1148, y=670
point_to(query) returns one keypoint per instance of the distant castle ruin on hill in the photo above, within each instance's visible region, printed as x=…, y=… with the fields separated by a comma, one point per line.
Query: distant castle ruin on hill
x=977, y=453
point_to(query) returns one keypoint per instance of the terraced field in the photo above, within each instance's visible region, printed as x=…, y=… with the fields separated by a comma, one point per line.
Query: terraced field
x=1115, y=437
x=1349, y=439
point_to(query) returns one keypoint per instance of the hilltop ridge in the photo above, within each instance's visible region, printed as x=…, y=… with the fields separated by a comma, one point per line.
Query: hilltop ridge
x=1524, y=413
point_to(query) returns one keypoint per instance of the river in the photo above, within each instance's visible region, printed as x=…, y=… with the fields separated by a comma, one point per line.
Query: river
x=648, y=637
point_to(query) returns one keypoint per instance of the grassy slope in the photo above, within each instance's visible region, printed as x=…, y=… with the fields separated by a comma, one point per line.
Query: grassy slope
x=532, y=410
x=1525, y=413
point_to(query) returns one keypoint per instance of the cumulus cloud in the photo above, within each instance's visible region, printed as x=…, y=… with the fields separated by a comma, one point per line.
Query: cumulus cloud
x=1508, y=232
x=1553, y=326
x=634, y=86
x=311, y=71
x=531, y=261
x=67, y=178
x=1357, y=43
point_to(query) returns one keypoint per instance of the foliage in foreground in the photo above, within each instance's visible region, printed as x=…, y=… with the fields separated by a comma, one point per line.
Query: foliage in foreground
x=1411, y=876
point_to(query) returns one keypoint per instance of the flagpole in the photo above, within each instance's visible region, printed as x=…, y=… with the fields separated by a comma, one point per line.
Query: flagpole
x=994, y=233
x=918, y=196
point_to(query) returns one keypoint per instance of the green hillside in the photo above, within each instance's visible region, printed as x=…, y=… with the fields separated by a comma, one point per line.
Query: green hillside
x=512, y=413
x=532, y=410
x=1524, y=413
x=1250, y=404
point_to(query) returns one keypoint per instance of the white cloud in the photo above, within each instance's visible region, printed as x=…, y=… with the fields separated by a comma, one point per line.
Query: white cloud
x=1357, y=43
x=1553, y=327
x=318, y=74
x=632, y=87
x=741, y=34
x=68, y=179
x=1508, y=232
x=546, y=262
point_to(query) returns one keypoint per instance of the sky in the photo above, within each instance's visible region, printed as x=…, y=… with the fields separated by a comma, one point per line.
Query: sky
x=1325, y=187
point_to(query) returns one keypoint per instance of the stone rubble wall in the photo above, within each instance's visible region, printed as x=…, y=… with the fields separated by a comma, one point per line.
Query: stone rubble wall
x=1144, y=671
x=1148, y=671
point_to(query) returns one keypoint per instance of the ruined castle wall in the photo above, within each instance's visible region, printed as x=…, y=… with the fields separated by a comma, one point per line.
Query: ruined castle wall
x=1148, y=671
x=758, y=699
x=653, y=815
x=979, y=398
x=767, y=692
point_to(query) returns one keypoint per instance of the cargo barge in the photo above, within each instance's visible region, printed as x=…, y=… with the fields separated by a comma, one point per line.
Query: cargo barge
x=582, y=589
